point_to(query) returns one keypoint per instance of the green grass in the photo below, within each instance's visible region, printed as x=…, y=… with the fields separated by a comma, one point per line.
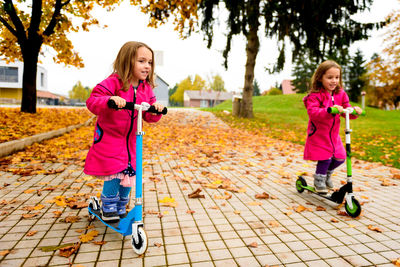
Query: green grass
x=375, y=137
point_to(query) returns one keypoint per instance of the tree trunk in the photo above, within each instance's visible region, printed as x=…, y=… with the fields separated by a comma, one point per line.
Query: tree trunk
x=30, y=55
x=252, y=46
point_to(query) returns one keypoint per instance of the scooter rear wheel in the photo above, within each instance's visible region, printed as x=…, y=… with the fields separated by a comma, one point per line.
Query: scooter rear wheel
x=140, y=246
x=356, y=210
x=300, y=184
x=93, y=205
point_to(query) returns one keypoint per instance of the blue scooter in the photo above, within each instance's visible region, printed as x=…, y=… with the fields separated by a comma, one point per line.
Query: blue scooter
x=132, y=224
x=352, y=206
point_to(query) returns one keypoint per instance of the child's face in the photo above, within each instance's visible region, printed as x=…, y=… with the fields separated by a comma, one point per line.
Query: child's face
x=330, y=79
x=142, y=64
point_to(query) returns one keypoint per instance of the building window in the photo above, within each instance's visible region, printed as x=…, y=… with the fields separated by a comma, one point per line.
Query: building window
x=42, y=79
x=204, y=103
x=8, y=74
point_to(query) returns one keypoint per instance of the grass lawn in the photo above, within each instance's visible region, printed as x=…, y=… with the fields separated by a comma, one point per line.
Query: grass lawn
x=375, y=137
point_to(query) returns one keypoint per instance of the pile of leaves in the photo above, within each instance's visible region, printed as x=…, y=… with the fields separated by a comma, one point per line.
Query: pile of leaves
x=16, y=125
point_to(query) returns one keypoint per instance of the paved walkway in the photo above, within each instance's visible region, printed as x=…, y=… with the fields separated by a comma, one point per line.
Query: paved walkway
x=230, y=226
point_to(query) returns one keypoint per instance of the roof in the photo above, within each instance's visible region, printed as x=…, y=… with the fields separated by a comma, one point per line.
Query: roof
x=46, y=94
x=203, y=95
x=287, y=87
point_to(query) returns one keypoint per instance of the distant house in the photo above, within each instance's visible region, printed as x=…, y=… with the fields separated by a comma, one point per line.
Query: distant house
x=204, y=99
x=287, y=87
x=161, y=91
x=47, y=98
x=11, y=80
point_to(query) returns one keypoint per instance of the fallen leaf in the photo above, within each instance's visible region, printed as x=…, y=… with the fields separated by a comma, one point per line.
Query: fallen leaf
x=31, y=233
x=263, y=195
x=196, y=194
x=89, y=236
x=376, y=229
x=254, y=203
x=320, y=208
x=253, y=245
x=99, y=242
x=69, y=250
x=273, y=223
x=72, y=219
x=5, y=252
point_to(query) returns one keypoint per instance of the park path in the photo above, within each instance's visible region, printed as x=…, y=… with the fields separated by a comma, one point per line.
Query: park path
x=229, y=226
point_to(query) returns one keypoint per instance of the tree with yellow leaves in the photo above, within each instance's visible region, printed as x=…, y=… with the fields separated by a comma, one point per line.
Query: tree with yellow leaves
x=188, y=85
x=384, y=75
x=23, y=35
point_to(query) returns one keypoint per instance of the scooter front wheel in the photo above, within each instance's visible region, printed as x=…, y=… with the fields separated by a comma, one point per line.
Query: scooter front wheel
x=140, y=246
x=300, y=184
x=356, y=210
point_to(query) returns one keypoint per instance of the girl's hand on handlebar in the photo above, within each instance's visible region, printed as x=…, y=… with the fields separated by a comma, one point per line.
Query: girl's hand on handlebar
x=340, y=108
x=358, y=110
x=158, y=106
x=119, y=101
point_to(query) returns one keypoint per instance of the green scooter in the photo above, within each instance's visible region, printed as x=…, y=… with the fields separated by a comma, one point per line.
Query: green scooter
x=352, y=206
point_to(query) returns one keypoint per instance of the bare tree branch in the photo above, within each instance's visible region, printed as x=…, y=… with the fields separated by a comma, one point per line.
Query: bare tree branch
x=19, y=27
x=53, y=22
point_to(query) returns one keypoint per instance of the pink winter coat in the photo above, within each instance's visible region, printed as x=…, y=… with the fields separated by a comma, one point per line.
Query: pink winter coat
x=323, y=139
x=114, y=144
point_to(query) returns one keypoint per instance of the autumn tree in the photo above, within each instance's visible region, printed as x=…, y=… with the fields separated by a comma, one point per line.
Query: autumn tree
x=384, y=69
x=313, y=27
x=188, y=84
x=27, y=27
x=217, y=84
x=79, y=92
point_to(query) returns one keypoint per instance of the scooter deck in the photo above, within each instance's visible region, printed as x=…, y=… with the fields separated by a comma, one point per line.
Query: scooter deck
x=112, y=224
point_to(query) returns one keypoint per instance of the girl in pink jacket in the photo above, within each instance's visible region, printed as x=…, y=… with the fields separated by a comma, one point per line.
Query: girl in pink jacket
x=112, y=157
x=323, y=143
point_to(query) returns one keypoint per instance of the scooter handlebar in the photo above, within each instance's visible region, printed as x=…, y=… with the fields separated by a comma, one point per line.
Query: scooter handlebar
x=131, y=106
x=334, y=110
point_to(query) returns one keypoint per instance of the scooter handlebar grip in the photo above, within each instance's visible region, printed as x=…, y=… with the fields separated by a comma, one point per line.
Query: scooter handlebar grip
x=334, y=110
x=129, y=105
x=152, y=109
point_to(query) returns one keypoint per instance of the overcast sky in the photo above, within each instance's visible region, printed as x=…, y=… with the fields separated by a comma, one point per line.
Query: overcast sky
x=181, y=58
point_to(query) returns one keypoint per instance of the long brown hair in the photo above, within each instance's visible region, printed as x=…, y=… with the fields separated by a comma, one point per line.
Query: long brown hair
x=316, y=79
x=125, y=62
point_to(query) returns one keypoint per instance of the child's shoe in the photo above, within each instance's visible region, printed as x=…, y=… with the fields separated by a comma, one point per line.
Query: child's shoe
x=121, y=206
x=328, y=181
x=109, y=210
x=320, y=183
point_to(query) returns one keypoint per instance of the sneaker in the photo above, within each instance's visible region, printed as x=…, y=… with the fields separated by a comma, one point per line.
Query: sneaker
x=328, y=181
x=320, y=183
x=109, y=210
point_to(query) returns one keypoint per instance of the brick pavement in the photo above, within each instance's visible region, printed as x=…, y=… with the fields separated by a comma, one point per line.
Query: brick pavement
x=225, y=228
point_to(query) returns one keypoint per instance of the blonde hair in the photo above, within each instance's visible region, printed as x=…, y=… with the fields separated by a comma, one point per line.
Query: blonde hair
x=316, y=79
x=125, y=62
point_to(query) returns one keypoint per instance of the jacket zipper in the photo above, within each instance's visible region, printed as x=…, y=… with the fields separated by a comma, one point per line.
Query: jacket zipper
x=131, y=126
x=333, y=124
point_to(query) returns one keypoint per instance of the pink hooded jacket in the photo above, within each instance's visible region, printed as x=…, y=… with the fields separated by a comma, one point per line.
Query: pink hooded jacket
x=114, y=144
x=323, y=139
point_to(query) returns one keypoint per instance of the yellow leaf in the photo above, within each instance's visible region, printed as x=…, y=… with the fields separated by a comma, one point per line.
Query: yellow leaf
x=89, y=236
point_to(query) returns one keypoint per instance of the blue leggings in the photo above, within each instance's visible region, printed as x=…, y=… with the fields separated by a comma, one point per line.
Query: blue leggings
x=323, y=166
x=113, y=188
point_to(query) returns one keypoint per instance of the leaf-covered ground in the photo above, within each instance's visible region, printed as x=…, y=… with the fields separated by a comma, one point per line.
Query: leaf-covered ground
x=16, y=125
